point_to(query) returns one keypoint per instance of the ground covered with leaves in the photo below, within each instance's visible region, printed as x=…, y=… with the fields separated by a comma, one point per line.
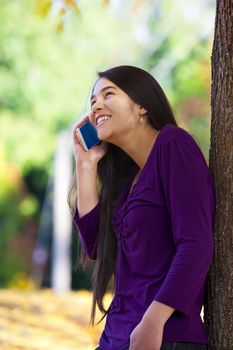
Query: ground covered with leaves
x=43, y=320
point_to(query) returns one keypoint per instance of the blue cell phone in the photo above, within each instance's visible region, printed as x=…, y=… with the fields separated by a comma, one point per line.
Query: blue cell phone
x=88, y=135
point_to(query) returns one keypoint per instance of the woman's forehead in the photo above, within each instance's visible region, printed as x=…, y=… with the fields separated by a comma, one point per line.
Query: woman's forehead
x=102, y=84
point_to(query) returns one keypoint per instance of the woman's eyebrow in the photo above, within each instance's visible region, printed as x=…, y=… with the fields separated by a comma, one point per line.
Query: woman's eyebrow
x=105, y=88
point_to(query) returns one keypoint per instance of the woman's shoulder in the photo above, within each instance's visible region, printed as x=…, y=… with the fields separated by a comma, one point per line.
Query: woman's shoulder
x=178, y=138
x=173, y=132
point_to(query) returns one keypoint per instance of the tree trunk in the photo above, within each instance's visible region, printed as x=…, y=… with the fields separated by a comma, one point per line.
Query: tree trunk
x=218, y=314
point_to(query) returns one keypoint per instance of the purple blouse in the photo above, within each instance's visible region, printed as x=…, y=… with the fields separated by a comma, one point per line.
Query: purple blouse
x=164, y=231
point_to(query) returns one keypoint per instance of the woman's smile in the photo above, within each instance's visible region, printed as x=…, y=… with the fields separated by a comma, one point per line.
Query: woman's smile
x=101, y=120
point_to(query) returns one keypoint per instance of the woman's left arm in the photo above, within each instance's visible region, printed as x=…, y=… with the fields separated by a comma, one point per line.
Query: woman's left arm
x=190, y=198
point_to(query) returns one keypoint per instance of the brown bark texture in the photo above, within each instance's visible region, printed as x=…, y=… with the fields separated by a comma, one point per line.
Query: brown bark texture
x=218, y=314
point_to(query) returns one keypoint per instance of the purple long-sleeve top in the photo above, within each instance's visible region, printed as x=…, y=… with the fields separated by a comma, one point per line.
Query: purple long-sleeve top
x=164, y=230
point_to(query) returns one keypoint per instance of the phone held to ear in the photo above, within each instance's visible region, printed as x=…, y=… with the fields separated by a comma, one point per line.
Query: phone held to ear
x=88, y=135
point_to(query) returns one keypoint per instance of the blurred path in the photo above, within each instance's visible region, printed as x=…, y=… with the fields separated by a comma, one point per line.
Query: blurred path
x=42, y=320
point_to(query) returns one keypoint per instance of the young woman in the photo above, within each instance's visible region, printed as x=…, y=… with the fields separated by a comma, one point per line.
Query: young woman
x=145, y=210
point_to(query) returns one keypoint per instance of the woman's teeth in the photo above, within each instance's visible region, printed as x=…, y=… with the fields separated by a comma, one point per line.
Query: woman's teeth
x=102, y=119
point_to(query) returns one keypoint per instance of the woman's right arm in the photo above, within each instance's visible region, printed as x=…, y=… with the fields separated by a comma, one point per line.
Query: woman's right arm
x=87, y=213
x=86, y=216
x=87, y=194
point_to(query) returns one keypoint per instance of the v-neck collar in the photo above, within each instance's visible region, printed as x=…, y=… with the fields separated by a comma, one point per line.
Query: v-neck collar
x=128, y=194
x=125, y=194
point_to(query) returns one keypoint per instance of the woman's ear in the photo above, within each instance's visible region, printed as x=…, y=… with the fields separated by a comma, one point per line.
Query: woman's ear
x=142, y=111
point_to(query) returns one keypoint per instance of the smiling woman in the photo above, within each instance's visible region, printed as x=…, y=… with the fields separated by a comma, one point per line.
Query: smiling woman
x=144, y=210
x=113, y=103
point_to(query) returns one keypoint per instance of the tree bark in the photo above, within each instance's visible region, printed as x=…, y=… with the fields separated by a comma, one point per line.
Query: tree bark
x=218, y=314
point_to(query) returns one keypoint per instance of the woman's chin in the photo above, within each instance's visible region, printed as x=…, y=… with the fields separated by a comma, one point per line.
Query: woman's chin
x=103, y=135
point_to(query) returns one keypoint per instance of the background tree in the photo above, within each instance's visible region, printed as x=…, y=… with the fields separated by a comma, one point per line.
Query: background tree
x=219, y=296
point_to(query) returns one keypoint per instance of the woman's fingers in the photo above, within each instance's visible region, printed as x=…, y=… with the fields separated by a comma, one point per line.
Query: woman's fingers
x=78, y=125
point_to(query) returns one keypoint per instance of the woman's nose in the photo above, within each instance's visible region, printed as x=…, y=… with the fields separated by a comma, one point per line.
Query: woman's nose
x=97, y=105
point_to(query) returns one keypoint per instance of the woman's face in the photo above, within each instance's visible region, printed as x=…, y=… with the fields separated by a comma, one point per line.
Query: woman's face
x=119, y=114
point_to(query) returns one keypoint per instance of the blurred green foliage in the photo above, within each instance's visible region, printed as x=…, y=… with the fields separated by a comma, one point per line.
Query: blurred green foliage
x=48, y=62
x=45, y=79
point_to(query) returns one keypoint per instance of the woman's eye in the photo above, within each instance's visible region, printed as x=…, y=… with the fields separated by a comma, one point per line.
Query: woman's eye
x=108, y=93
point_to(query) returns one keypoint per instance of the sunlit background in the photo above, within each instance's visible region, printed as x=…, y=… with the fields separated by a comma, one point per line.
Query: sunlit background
x=50, y=52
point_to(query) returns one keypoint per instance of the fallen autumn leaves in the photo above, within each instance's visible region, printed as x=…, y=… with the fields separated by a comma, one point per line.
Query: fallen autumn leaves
x=43, y=320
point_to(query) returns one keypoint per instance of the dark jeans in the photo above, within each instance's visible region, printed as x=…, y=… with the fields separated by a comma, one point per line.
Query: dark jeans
x=178, y=346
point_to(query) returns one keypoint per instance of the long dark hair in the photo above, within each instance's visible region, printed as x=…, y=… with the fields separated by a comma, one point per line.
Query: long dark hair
x=115, y=168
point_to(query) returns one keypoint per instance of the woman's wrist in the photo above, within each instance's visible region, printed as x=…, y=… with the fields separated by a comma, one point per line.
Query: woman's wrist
x=83, y=165
x=158, y=314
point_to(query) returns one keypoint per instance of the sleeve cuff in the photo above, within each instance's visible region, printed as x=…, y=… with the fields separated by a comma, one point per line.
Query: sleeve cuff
x=85, y=219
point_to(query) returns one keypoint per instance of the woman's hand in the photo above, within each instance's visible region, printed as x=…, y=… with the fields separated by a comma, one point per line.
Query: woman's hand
x=146, y=336
x=93, y=155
